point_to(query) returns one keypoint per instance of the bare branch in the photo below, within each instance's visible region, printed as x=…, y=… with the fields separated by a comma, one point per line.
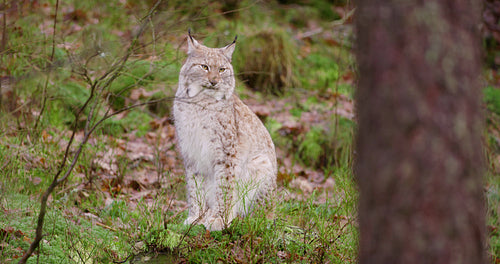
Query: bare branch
x=44, y=91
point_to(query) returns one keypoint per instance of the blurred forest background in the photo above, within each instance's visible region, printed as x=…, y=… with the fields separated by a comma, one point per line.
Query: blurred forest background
x=85, y=99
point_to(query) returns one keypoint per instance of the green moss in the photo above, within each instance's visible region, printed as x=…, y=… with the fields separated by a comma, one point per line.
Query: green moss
x=134, y=120
x=325, y=8
x=319, y=71
x=63, y=240
x=279, y=140
x=492, y=195
x=71, y=232
x=73, y=95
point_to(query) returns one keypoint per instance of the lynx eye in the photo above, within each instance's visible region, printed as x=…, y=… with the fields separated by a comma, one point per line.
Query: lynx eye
x=221, y=70
x=205, y=67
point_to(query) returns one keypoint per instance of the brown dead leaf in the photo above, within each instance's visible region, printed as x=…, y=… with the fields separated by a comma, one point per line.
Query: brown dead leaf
x=107, y=161
x=140, y=93
x=291, y=127
x=92, y=216
x=135, y=185
x=140, y=195
x=262, y=111
x=157, y=123
x=302, y=184
x=36, y=180
x=170, y=131
x=238, y=254
x=329, y=184
x=283, y=255
x=46, y=137
x=77, y=15
x=69, y=46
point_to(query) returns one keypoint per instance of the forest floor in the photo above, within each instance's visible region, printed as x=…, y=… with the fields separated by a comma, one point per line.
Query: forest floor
x=124, y=200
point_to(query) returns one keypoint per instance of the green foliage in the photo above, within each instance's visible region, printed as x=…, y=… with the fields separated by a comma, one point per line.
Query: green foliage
x=134, y=120
x=320, y=71
x=92, y=218
x=274, y=127
x=492, y=99
x=88, y=222
x=325, y=9
x=266, y=61
x=311, y=147
x=492, y=195
x=72, y=95
x=164, y=239
x=257, y=239
x=322, y=146
x=135, y=74
x=492, y=188
x=64, y=241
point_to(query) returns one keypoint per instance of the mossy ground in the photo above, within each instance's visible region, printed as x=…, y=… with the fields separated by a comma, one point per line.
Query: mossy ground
x=125, y=198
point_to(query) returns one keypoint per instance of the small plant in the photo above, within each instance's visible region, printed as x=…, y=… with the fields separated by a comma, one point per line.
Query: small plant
x=319, y=72
x=492, y=99
x=322, y=146
x=266, y=61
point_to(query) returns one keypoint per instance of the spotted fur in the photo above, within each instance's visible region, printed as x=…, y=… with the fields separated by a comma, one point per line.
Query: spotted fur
x=229, y=157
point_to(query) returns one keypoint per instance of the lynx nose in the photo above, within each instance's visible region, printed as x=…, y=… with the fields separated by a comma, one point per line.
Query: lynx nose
x=213, y=82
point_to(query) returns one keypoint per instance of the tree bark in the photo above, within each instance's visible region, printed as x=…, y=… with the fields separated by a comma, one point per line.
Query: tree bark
x=420, y=163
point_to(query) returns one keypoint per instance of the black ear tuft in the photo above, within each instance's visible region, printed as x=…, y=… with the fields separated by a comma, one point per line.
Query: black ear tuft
x=189, y=33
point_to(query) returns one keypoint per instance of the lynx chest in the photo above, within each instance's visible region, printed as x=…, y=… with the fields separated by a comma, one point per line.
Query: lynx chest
x=203, y=136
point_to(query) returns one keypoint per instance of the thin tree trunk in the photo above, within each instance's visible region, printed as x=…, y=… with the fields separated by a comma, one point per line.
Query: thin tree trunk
x=419, y=164
x=3, y=45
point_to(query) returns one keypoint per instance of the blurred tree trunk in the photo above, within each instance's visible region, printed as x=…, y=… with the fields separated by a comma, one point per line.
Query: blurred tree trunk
x=419, y=163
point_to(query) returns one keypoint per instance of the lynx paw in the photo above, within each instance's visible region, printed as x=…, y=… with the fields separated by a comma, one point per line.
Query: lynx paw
x=214, y=224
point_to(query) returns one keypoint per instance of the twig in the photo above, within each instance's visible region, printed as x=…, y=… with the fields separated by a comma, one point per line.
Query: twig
x=3, y=44
x=44, y=91
x=176, y=214
x=4, y=27
x=341, y=21
x=191, y=227
x=106, y=227
x=123, y=261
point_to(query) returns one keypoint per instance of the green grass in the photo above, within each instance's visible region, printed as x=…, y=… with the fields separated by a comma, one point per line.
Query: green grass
x=492, y=99
x=69, y=238
x=304, y=231
x=493, y=202
x=492, y=187
x=92, y=216
x=151, y=224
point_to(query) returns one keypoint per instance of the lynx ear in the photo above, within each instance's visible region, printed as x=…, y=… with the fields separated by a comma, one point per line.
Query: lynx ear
x=229, y=49
x=192, y=43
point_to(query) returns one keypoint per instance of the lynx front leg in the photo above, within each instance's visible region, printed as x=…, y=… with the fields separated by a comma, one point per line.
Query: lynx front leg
x=220, y=213
x=196, y=198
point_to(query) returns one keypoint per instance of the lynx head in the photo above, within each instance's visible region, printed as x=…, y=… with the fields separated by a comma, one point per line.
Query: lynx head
x=207, y=71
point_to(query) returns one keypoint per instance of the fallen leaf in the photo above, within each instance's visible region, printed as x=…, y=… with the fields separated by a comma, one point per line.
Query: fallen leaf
x=139, y=93
x=36, y=180
x=302, y=184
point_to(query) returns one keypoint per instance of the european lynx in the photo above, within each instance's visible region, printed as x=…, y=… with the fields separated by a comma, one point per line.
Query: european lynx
x=228, y=154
